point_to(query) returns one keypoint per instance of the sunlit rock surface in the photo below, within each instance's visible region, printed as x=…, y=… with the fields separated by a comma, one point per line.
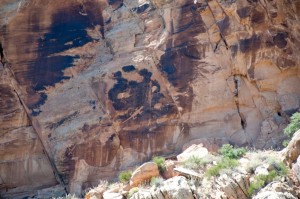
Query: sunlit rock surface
x=89, y=88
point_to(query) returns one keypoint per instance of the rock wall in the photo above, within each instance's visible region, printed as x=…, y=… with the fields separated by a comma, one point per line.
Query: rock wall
x=94, y=87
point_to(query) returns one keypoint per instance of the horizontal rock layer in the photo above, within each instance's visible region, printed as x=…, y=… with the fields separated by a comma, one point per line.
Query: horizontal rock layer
x=93, y=87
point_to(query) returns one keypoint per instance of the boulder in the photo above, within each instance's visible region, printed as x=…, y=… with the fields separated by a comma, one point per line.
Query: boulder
x=261, y=170
x=173, y=188
x=176, y=188
x=194, y=150
x=142, y=194
x=292, y=151
x=206, y=190
x=144, y=173
x=277, y=190
x=187, y=172
x=170, y=172
x=212, y=144
x=156, y=194
x=110, y=195
x=296, y=169
x=234, y=187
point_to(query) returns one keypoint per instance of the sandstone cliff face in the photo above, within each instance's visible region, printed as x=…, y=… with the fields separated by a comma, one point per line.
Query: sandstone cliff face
x=92, y=87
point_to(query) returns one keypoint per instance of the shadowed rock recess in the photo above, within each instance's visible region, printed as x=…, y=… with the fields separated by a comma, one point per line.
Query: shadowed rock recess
x=92, y=87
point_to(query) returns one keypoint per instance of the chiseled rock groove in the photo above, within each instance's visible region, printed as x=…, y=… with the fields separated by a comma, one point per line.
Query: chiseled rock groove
x=108, y=84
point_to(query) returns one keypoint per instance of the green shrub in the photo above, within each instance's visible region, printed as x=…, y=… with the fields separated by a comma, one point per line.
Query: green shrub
x=132, y=191
x=227, y=150
x=255, y=185
x=280, y=170
x=285, y=143
x=194, y=162
x=156, y=181
x=125, y=176
x=293, y=126
x=160, y=162
x=261, y=181
x=224, y=163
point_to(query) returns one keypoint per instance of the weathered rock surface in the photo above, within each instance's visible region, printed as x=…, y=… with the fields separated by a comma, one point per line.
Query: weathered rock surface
x=103, y=85
x=296, y=170
x=174, y=188
x=170, y=172
x=276, y=190
x=97, y=192
x=108, y=195
x=292, y=151
x=235, y=186
x=144, y=173
x=24, y=166
x=194, y=150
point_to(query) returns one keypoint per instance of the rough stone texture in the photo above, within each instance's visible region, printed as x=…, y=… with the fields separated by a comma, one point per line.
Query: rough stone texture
x=173, y=188
x=144, y=173
x=234, y=187
x=142, y=194
x=261, y=170
x=24, y=167
x=194, y=150
x=170, y=172
x=296, y=169
x=292, y=151
x=277, y=190
x=97, y=192
x=108, y=195
x=212, y=144
x=176, y=188
x=107, y=84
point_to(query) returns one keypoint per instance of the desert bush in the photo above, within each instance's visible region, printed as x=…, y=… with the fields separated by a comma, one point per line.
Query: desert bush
x=224, y=163
x=285, y=143
x=257, y=159
x=160, y=162
x=132, y=191
x=156, y=181
x=291, y=129
x=260, y=181
x=229, y=151
x=194, y=162
x=125, y=176
x=279, y=170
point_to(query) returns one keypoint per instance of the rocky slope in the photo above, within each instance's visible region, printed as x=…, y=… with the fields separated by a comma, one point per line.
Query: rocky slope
x=89, y=88
x=258, y=175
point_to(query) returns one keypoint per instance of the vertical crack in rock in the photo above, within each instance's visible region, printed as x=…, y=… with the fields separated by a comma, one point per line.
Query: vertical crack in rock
x=224, y=40
x=2, y=57
x=244, y=192
x=221, y=29
x=45, y=149
x=236, y=99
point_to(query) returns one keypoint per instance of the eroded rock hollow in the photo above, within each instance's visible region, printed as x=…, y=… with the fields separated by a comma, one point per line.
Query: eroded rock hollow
x=92, y=87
